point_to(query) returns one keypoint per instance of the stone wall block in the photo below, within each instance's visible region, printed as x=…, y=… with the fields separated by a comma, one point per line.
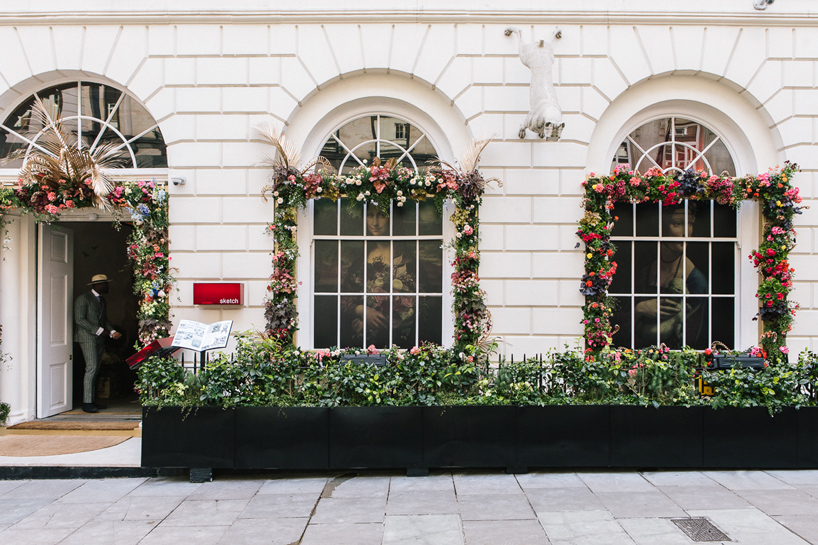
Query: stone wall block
x=183, y=237
x=594, y=40
x=570, y=296
x=97, y=46
x=469, y=39
x=506, y=210
x=488, y=124
x=243, y=154
x=258, y=240
x=570, y=44
x=578, y=128
x=780, y=106
x=718, y=45
x=780, y=42
x=505, y=98
x=283, y=39
x=161, y=40
x=221, y=127
x=198, y=99
x=12, y=67
x=263, y=70
x=561, y=210
x=559, y=154
x=195, y=210
x=558, y=265
x=437, y=51
x=594, y=103
x=281, y=103
x=406, y=42
x=245, y=99
x=511, y=125
x=456, y=77
x=221, y=238
x=37, y=42
x=515, y=72
x=806, y=43
x=806, y=101
x=530, y=181
x=377, y=45
x=556, y=321
x=161, y=105
x=658, y=45
x=131, y=51
x=316, y=54
x=511, y=320
x=607, y=79
x=796, y=130
x=500, y=154
x=749, y=56
x=221, y=71
x=67, y=43
x=531, y=293
x=531, y=237
x=489, y=70
x=345, y=42
x=199, y=265
x=574, y=71
x=148, y=79
x=806, y=270
x=569, y=98
x=180, y=71
x=505, y=265
x=295, y=78
x=218, y=181
x=627, y=54
x=470, y=101
x=178, y=127
x=198, y=40
x=688, y=42
x=800, y=73
x=494, y=291
x=766, y=82
x=246, y=39
x=495, y=41
x=492, y=237
x=194, y=154
x=247, y=210
x=529, y=346
x=570, y=180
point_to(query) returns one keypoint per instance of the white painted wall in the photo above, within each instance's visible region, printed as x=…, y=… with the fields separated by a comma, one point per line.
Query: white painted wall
x=211, y=73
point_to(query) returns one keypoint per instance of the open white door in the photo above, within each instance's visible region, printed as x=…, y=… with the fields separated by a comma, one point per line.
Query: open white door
x=55, y=303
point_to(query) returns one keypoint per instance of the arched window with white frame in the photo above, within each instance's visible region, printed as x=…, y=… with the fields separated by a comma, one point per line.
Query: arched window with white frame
x=377, y=276
x=677, y=281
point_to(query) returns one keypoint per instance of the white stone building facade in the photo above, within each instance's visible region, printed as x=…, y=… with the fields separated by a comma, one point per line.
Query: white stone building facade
x=210, y=72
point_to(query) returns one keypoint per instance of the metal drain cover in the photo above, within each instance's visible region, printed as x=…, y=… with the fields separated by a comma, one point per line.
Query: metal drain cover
x=700, y=529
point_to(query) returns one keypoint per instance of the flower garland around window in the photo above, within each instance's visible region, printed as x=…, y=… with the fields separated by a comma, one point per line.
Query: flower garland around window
x=778, y=199
x=379, y=184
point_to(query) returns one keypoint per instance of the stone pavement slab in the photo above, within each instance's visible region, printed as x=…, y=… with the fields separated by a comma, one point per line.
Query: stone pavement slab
x=51, y=489
x=109, y=532
x=150, y=509
x=15, y=510
x=279, y=506
x=495, y=507
x=226, y=489
x=648, y=504
x=583, y=527
x=750, y=527
x=659, y=531
x=507, y=532
x=343, y=534
x=350, y=510
x=781, y=502
x=205, y=513
x=422, y=502
x=109, y=490
x=273, y=531
x=486, y=484
x=176, y=535
x=426, y=529
x=696, y=498
x=443, y=483
x=805, y=526
x=564, y=499
x=747, y=480
x=307, y=485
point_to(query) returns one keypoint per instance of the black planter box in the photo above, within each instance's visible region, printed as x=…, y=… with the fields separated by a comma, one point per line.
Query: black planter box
x=656, y=437
x=563, y=436
x=375, y=437
x=200, y=437
x=469, y=436
x=282, y=438
x=807, y=418
x=750, y=438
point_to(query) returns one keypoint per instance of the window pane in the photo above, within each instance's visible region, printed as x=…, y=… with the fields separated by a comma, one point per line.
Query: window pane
x=647, y=220
x=430, y=320
x=377, y=221
x=399, y=131
x=697, y=276
x=377, y=267
x=430, y=218
x=326, y=321
x=698, y=217
x=326, y=266
x=391, y=151
x=404, y=219
x=718, y=156
x=404, y=266
x=403, y=321
x=724, y=267
x=352, y=325
x=622, y=318
x=724, y=221
x=352, y=266
x=645, y=263
x=723, y=313
x=431, y=266
x=325, y=217
x=99, y=101
x=623, y=227
x=645, y=327
x=150, y=150
x=671, y=321
x=697, y=323
x=377, y=321
x=352, y=218
x=621, y=282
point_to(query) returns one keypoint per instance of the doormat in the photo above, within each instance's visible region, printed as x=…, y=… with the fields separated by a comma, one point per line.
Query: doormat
x=50, y=445
x=73, y=425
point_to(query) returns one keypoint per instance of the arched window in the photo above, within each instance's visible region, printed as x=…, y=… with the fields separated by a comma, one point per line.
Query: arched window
x=677, y=276
x=94, y=113
x=377, y=275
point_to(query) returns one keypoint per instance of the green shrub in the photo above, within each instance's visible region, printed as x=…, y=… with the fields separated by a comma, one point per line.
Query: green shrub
x=5, y=409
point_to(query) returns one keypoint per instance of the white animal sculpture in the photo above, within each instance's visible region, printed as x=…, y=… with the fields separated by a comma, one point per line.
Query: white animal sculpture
x=545, y=115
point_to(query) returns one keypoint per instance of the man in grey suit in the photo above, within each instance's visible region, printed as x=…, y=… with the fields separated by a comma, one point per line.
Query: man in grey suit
x=91, y=318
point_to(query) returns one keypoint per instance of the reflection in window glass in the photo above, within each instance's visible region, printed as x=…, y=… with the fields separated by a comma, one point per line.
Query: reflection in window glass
x=95, y=114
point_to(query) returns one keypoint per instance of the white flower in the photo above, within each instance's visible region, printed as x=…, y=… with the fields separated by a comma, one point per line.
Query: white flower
x=280, y=200
x=413, y=181
x=360, y=197
x=319, y=190
x=358, y=181
x=367, y=193
x=459, y=235
x=400, y=203
x=428, y=183
x=275, y=193
x=400, y=192
x=161, y=293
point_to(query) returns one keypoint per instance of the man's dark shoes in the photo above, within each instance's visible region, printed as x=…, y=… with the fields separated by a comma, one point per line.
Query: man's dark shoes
x=100, y=406
x=89, y=408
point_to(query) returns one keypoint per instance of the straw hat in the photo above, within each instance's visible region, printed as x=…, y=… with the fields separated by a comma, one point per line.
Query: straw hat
x=98, y=279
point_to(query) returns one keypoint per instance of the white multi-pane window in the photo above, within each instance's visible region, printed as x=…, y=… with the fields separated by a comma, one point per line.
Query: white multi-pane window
x=378, y=275
x=676, y=281
x=95, y=114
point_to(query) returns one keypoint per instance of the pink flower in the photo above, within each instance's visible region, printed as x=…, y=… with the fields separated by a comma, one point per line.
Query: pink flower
x=52, y=196
x=784, y=349
x=372, y=350
x=69, y=204
x=414, y=350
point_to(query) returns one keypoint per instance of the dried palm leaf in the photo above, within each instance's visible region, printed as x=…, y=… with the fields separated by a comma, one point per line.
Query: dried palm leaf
x=287, y=156
x=319, y=164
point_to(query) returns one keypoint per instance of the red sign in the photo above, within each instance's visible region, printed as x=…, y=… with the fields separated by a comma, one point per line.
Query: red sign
x=222, y=293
